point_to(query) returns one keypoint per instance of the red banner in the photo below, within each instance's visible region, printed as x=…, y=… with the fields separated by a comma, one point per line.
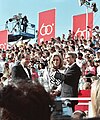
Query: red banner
x=46, y=27
x=79, y=25
x=3, y=39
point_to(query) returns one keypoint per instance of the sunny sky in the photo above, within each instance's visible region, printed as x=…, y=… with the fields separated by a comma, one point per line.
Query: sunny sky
x=65, y=9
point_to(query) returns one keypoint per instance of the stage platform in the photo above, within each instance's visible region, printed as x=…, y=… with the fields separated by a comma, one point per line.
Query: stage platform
x=16, y=36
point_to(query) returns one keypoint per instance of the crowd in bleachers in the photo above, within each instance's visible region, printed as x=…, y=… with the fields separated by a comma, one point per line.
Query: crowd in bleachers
x=88, y=59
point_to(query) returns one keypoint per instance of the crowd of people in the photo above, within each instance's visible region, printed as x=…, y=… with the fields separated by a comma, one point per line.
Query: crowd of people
x=62, y=66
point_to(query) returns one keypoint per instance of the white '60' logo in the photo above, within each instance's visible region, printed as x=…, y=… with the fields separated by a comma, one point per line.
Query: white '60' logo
x=46, y=29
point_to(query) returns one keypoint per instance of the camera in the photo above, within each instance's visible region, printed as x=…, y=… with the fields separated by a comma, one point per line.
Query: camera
x=16, y=17
x=58, y=106
x=62, y=109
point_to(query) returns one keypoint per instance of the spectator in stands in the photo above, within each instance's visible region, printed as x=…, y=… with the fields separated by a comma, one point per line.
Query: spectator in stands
x=87, y=86
x=2, y=59
x=85, y=44
x=98, y=68
x=1, y=74
x=81, y=49
x=72, y=48
x=70, y=35
x=80, y=59
x=98, y=55
x=6, y=71
x=85, y=92
x=41, y=69
x=91, y=69
x=95, y=98
x=34, y=74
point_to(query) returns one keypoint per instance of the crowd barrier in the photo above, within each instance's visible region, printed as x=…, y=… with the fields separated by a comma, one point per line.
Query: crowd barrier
x=88, y=99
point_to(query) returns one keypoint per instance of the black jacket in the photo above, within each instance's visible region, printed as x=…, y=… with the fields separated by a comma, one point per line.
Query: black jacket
x=19, y=73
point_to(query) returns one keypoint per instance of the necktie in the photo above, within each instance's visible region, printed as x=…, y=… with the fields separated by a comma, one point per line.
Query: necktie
x=27, y=71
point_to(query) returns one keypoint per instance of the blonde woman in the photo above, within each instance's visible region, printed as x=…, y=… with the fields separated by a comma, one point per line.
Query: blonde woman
x=50, y=83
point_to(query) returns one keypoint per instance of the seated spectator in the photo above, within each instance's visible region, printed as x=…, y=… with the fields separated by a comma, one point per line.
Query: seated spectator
x=34, y=74
x=80, y=59
x=87, y=86
x=1, y=74
x=98, y=68
x=1, y=84
x=6, y=70
x=91, y=69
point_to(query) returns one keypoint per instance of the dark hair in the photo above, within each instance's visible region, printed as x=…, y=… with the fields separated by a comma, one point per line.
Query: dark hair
x=73, y=47
x=25, y=101
x=72, y=54
x=80, y=54
x=79, y=114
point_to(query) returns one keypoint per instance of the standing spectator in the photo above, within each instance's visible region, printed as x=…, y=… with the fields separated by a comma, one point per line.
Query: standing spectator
x=2, y=59
x=41, y=69
x=70, y=35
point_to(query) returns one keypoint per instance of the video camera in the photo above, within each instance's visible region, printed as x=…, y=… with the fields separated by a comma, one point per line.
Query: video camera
x=62, y=109
x=16, y=17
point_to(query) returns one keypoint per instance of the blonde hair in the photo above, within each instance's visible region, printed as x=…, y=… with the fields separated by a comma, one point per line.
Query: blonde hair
x=86, y=86
x=51, y=59
x=95, y=98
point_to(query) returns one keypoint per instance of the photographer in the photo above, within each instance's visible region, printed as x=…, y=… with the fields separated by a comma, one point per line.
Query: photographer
x=24, y=23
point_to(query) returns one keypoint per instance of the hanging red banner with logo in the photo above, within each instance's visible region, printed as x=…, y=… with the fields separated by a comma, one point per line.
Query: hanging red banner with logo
x=79, y=25
x=3, y=39
x=46, y=25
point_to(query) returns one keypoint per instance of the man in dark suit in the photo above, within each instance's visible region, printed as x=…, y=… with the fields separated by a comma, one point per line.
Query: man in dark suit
x=21, y=70
x=69, y=87
x=72, y=76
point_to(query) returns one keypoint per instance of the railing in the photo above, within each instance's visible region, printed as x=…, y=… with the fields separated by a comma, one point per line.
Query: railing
x=88, y=103
x=75, y=98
